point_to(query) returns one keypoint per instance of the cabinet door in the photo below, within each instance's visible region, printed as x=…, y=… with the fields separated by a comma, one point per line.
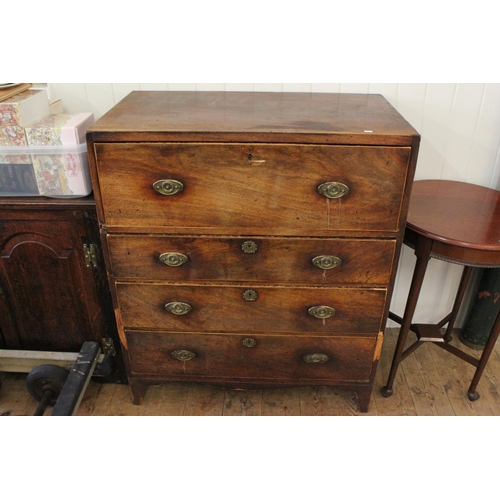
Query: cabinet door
x=49, y=297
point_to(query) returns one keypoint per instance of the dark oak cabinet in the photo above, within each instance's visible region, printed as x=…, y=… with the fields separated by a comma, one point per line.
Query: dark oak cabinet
x=54, y=294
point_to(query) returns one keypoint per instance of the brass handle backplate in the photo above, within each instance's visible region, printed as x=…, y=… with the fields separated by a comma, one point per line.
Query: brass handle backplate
x=315, y=358
x=249, y=247
x=326, y=261
x=321, y=312
x=173, y=259
x=333, y=190
x=183, y=355
x=178, y=308
x=249, y=342
x=250, y=295
x=168, y=187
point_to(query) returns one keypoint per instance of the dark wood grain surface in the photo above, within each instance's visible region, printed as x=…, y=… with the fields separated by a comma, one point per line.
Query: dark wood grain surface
x=277, y=192
x=49, y=298
x=277, y=309
x=44, y=203
x=255, y=116
x=276, y=260
x=250, y=165
x=349, y=359
x=457, y=213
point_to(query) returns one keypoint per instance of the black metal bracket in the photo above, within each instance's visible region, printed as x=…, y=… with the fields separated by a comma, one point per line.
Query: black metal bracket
x=74, y=388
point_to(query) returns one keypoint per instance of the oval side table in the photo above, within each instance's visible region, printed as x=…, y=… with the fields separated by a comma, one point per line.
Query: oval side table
x=456, y=222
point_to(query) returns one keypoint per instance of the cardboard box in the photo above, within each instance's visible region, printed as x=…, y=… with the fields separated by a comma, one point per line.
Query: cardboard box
x=56, y=107
x=51, y=177
x=13, y=136
x=16, y=113
x=65, y=174
x=59, y=129
x=24, y=109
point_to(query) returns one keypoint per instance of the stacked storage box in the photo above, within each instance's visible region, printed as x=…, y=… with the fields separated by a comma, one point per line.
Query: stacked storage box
x=63, y=168
x=17, y=176
x=50, y=150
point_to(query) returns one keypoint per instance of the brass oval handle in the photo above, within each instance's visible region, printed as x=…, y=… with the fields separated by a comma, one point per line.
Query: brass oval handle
x=249, y=342
x=326, y=261
x=333, y=190
x=321, y=312
x=183, y=355
x=178, y=308
x=173, y=259
x=316, y=358
x=168, y=187
x=249, y=247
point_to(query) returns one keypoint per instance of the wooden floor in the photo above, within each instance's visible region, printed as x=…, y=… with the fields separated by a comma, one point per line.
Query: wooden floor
x=429, y=382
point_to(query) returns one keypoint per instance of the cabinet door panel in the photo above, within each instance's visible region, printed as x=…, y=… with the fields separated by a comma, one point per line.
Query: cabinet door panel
x=44, y=285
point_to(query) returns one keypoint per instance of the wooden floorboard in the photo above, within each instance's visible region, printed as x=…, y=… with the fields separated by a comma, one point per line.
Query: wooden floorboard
x=429, y=382
x=280, y=402
x=204, y=400
x=401, y=402
x=422, y=387
x=242, y=403
x=104, y=398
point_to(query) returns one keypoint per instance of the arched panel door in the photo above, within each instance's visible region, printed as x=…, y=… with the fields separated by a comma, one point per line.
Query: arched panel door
x=48, y=295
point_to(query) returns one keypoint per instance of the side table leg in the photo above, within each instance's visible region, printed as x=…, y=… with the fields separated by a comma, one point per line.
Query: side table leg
x=423, y=252
x=488, y=349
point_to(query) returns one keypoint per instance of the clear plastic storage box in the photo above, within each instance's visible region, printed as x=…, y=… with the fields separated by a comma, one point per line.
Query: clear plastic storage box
x=53, y=171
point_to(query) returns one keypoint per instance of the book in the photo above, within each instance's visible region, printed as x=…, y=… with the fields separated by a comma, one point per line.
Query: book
x=18, y=180
x=13, y=136
x=10, y=90
x=59, y=129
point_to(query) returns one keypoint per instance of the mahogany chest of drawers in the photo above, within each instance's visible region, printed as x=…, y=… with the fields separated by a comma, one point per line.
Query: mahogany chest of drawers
x=251, y=239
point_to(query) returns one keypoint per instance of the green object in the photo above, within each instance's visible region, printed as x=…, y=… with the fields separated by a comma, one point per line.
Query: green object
x=478, y=324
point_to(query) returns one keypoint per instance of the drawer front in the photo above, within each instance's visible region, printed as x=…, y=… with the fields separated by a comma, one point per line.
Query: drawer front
x=272, y=260
x=253, y=187
x=258, y=358
x=250, y=308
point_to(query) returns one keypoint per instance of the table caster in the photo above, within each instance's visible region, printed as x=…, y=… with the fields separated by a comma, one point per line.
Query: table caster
x=386, y=392
x=45, y=383
x=473, y=396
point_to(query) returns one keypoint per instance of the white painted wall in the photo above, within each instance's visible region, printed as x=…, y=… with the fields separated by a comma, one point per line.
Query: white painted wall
x=460, y=128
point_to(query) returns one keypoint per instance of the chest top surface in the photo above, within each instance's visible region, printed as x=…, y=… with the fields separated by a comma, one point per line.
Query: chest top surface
x=254, y=116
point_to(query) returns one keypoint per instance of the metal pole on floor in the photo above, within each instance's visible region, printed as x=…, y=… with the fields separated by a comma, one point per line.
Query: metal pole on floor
x=478, y=324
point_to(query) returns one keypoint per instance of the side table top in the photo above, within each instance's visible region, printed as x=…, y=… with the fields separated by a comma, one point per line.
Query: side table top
x=456, y=213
